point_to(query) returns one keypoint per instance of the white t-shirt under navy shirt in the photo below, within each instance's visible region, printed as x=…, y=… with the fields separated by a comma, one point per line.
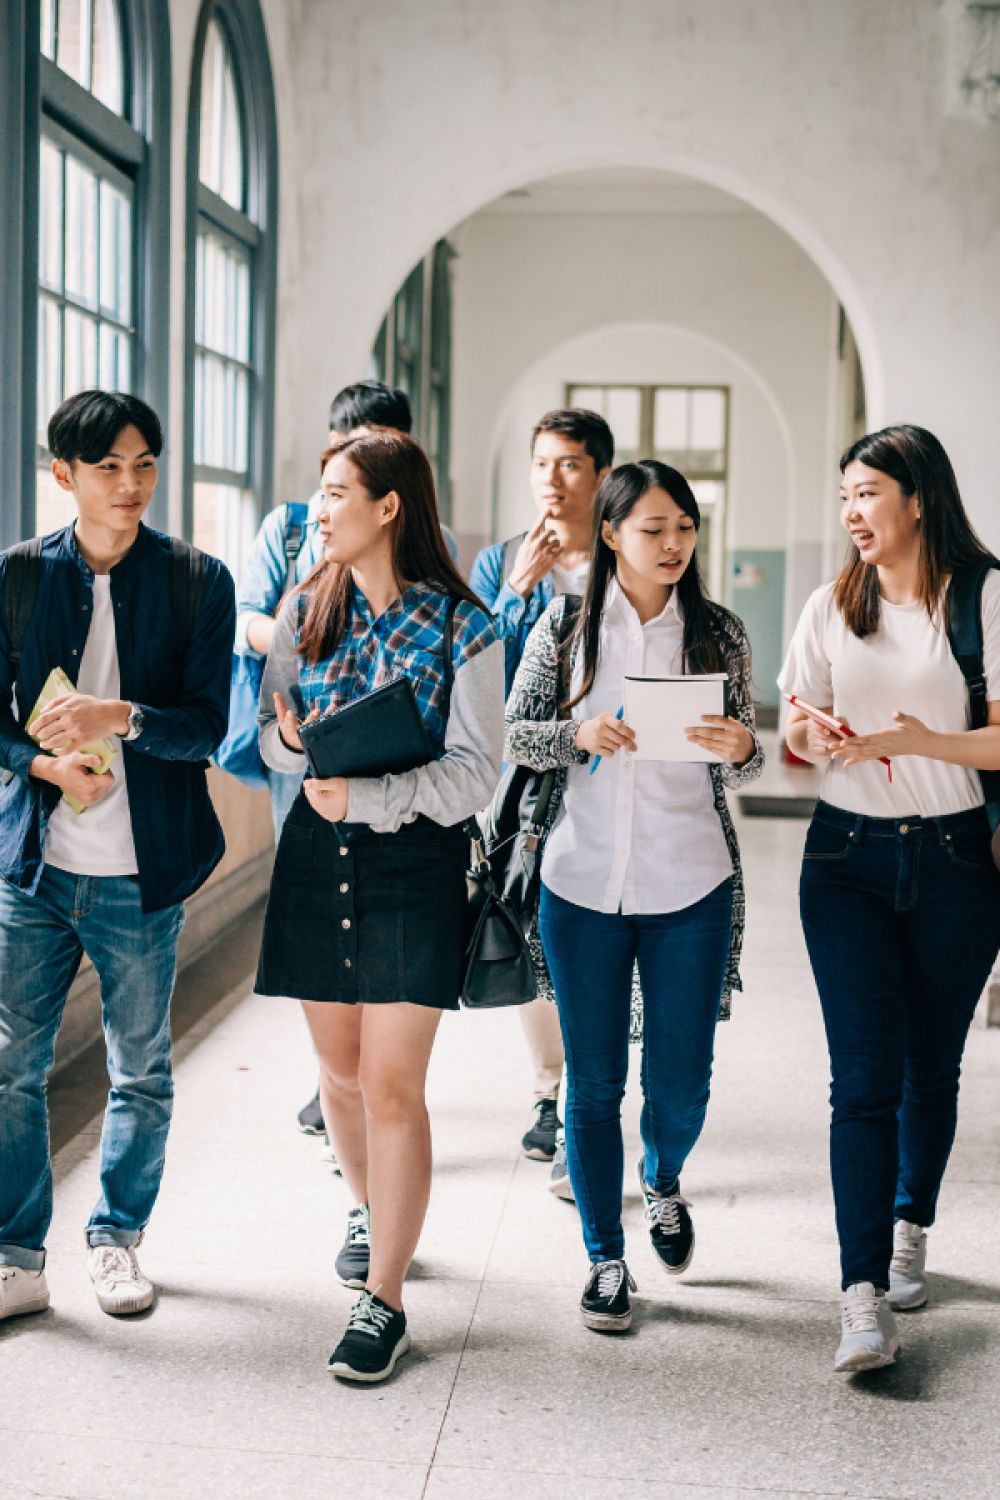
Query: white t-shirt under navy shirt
x=99, y=840
x=906, y=665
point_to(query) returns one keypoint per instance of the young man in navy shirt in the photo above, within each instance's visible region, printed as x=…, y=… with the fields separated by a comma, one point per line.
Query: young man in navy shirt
x=143, y=627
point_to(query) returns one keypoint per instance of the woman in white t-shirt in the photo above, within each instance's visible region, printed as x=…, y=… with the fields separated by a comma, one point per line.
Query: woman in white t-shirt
x=899, y=896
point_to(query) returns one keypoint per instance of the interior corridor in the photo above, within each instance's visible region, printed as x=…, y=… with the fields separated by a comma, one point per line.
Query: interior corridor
x=723, y=1390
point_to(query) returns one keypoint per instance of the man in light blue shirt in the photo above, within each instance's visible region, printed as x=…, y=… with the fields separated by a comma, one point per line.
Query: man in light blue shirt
x=355, y=409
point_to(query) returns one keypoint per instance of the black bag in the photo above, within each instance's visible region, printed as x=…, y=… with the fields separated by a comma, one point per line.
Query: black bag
x=498, y=966
x=965, y=637
x=512, y=833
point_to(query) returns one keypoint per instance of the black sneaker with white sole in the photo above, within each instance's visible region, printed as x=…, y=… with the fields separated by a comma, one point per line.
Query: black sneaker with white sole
x=539, y=1141
x=355, y=1253
x=671, y=1232
x=311, y=1117
x=604, y=1305
x=376, y=1337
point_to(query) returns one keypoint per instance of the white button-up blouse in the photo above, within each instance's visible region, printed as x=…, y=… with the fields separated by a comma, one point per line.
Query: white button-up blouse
x=637, y=836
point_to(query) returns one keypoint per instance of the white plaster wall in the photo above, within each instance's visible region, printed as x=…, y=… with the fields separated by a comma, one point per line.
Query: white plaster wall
x=760, y=471
x=752, y=303
x=829, y=117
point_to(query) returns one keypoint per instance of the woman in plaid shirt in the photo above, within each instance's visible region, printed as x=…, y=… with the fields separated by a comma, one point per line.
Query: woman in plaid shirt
x=367, y=911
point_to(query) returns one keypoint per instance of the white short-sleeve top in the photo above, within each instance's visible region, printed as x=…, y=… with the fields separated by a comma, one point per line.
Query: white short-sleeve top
x=906, y=665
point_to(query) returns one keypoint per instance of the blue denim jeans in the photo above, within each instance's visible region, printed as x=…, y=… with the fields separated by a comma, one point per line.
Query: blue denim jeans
x=682, y=958
x=902, y=922
x=42, y=940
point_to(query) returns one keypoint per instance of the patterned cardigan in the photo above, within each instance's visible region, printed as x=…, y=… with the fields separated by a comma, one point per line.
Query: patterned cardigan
x=537, y=736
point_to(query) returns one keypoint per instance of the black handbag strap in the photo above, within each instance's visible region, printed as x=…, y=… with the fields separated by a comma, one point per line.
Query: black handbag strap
x=965, y=637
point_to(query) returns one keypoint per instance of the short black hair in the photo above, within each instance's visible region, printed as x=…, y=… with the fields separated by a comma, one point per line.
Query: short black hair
x=370, y=403
x=580, y=426
x=87, y=424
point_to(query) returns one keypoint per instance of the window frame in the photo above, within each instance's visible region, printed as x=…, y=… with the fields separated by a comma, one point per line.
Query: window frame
x=35, y=92
x=244, y=33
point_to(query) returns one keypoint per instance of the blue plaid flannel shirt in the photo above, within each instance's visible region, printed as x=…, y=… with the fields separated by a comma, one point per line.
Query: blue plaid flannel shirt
x=405, y=641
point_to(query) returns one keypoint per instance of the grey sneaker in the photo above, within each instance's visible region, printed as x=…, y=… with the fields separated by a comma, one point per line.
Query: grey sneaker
x=908, y=1268
x=355, y=1253
x=119, y=1283
x=868, y=1339
x=22, y=1291
x=559, y=1182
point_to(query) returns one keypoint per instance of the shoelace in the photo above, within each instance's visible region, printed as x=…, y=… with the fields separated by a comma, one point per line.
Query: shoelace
x=116, y=1264
x=903, y=1255
x=663, y=1213
x=359, y=1229
x=610, y=1275
x=861, y=1314
x=368, y=1317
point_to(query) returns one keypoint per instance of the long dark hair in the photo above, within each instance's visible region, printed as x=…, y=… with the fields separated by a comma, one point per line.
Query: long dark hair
x=385, y=461
x=917, y=461
x=617, y=497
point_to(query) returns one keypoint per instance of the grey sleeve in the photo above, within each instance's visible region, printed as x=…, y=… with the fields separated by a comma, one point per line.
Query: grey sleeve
x=465, y=778
x=281, y=675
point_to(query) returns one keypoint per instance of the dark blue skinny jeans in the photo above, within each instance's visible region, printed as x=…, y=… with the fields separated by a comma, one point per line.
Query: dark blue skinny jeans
x=902, y=922
x=682, y=957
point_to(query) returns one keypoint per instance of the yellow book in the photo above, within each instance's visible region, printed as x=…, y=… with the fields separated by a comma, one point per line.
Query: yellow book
x=57, y=685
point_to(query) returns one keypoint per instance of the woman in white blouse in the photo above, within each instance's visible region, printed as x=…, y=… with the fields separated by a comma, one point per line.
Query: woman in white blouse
x=899, y=896
x=640, y=862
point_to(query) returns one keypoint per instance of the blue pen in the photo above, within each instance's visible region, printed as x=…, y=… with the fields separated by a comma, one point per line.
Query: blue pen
x=597, y=758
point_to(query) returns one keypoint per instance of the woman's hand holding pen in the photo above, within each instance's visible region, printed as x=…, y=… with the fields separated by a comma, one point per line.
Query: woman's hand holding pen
x=328, y=798
x=908, y=736
x=726, y=737
x=604, y=736
x=821, y=742
x=289, y=723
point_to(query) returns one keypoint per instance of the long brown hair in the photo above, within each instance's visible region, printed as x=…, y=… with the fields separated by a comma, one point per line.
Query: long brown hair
x=617, y=497
x=917, y=461
x=386, y=461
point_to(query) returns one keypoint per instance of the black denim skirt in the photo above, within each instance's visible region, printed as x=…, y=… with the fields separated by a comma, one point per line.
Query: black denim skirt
x=365, y=918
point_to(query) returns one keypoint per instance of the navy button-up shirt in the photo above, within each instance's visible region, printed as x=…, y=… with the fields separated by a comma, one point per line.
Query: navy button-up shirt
x=183, y=692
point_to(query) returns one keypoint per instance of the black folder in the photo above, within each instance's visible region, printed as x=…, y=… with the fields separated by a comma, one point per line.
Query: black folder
x=380, y=734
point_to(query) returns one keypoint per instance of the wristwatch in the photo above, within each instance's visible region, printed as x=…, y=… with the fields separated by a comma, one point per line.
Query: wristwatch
x=134, y=722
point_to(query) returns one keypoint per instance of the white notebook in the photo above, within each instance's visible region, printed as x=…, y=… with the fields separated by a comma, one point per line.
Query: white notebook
x=659, y=709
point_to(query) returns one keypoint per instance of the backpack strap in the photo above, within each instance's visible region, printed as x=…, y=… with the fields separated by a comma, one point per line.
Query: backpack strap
x=187, y=583
x=21, y=577
x=510, y=551
x=965, y=635
x=296, y=515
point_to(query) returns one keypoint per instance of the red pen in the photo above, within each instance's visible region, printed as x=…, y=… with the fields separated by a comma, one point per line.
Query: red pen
x=829, y=722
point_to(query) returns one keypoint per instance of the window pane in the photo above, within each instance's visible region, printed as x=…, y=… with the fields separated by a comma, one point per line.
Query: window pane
x=81, y=353
x=220, y=146
x=241, y=344
x=50, y=384
x=708, y=421
x=54, y=507
x=590, y=396
x=224, y=521
x=670, y=420
x=113, y=347
x=107, y=71
x=116, y=253
x=73, y=46
x=709, y=494
x=50, y=217
x=49, y=29
x=623, y=418
x=81, y=232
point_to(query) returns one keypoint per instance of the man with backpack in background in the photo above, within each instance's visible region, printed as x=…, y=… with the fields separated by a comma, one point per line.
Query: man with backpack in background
x=572, y=450
x=286, y=549
x=142, y=626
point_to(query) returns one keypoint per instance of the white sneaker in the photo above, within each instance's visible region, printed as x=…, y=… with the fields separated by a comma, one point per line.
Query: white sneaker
x=22, y=1291
x=868, y=1338
x=120, y=1285
x=908, y=1268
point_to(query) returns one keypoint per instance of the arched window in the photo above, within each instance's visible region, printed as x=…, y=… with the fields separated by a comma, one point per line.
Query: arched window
x=103, y=180
x=232, y=202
